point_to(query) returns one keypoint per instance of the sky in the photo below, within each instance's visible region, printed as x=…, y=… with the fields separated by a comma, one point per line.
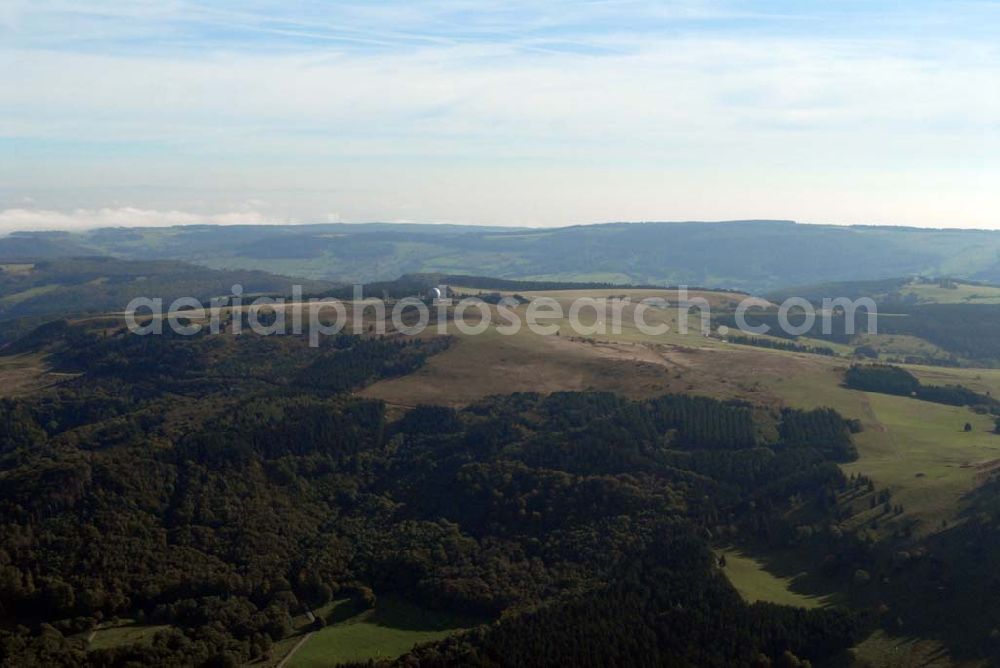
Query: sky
x=165, y=112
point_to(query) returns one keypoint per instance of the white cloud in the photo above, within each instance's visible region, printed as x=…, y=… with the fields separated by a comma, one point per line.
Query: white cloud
x=483, y=103
x=13, y=220
x=401, y=111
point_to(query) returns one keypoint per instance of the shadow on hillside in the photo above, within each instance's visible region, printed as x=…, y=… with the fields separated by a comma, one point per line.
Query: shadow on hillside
x=397, y=613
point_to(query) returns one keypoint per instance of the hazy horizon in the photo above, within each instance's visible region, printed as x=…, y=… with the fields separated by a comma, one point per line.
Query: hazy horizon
x=142, y=113
x=137, y=219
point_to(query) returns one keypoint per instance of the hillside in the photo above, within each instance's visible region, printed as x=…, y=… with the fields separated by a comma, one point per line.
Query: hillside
x=750, y=255
x=32, y=292
x=943, y=321
x=466, y=478
x=214, y=490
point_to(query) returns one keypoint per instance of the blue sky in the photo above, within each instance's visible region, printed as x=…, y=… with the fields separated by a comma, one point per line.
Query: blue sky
x=519, y=113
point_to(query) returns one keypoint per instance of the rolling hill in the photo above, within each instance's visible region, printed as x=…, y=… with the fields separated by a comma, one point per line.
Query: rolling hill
x=750, y=255
x=33, y=292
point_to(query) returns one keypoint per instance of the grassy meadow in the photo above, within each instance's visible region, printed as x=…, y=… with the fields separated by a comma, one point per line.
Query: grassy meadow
x=388, y=631
x=756, y=583
x=124, y=634
x=955, y=293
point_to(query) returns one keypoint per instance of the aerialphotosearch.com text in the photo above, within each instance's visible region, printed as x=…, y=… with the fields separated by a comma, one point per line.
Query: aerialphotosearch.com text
x=318, y=317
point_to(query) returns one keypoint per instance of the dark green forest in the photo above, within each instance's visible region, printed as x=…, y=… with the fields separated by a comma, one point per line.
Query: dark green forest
x=218, y=485
x=889, y=379
x=781, y=345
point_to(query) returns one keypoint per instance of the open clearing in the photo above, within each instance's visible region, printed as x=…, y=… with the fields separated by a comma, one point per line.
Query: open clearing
x=18, y=297
x=26, y=373
x=359, y=641
x=392, y=629
x=916, y=448
x=959, y=293
x=925, y=456
x=479, y=366
x=755, y=583
x=902, y=345
x=126, y=634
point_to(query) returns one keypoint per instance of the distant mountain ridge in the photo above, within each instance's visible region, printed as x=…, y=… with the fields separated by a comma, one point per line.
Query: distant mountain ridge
x=754, y=255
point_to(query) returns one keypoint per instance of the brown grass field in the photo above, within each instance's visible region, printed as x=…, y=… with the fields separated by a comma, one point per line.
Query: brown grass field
x=23, y=374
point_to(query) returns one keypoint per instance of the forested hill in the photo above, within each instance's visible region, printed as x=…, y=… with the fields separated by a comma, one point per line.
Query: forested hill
x=213, y=488
x=32, y=292
x=750, y=255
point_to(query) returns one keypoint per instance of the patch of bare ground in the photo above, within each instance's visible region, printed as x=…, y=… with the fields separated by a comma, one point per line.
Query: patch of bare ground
x=27, y=373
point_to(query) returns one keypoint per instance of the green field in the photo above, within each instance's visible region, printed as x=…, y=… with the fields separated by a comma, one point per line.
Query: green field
x=755, y=583
x=924, y=456
x=901, y=345
x=979, y=380
x=917, y=449
x=390, y=630
x=126, y=634
x=958, y=293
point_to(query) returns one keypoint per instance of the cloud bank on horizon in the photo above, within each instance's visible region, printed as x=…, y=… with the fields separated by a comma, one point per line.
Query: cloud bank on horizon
x=145, y=112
